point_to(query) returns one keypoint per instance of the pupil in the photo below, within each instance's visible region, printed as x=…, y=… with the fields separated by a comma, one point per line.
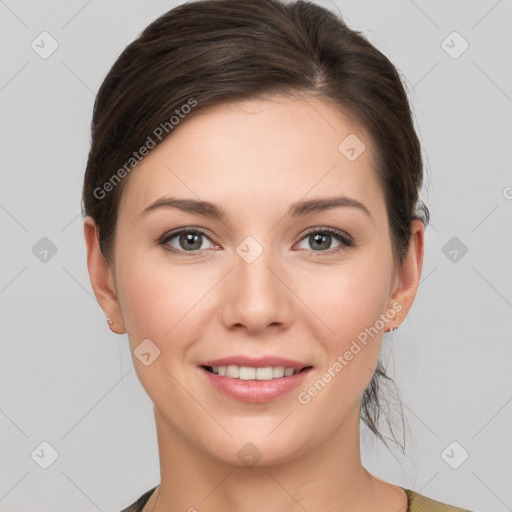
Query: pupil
x=318, y=237
x=190, y=241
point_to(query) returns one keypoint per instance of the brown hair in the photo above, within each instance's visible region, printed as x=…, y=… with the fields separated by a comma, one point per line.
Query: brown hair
x=207, y=52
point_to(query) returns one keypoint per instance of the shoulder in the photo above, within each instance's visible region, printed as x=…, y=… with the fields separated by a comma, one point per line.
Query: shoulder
x=137, y=505
x=419, y=503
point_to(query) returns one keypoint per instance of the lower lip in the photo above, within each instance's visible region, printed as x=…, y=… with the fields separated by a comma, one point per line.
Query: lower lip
x=255, y=391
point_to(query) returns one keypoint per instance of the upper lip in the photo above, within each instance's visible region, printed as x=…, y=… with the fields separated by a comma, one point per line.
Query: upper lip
x=256, y=362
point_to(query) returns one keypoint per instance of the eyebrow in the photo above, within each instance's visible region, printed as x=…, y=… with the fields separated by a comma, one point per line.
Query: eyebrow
x=297, y=209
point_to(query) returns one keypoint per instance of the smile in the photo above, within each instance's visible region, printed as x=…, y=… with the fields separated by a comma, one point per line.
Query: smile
x=255, y=380
x=250, y=373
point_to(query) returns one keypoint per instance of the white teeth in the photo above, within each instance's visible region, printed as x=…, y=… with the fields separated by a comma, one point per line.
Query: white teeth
x=249, y=373
x=233, y=371
x=264, y=373
x=278, y=372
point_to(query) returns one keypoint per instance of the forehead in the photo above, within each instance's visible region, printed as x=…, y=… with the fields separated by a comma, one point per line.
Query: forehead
x=259, y=152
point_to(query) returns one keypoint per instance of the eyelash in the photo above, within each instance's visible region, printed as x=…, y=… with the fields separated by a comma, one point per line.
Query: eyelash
x=346, y=241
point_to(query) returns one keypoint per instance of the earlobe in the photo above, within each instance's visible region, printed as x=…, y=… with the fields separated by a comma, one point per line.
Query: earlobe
x=102, y=278
x=409, y=273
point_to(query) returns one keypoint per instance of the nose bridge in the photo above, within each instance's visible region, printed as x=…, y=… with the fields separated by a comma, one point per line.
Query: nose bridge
x=256, y=297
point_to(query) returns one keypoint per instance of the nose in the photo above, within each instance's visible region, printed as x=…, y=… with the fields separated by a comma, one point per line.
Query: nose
x=256, y=298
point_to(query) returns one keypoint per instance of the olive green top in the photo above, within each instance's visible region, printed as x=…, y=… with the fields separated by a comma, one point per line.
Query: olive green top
x=415, y=503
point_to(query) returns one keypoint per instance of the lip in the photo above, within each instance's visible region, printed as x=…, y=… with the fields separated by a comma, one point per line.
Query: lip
x=255, y=391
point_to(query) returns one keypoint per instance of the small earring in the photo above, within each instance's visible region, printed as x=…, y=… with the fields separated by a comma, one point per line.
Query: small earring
x=111, y=324
x=392, y=328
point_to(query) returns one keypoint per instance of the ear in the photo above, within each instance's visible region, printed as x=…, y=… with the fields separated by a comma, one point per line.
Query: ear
x=102, y=278
x=408, y=277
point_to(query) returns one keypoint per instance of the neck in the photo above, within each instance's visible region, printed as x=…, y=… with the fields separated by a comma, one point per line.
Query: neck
x=331, y=477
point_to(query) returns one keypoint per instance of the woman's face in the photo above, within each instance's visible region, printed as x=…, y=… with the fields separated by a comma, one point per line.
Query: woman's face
x=266, y=278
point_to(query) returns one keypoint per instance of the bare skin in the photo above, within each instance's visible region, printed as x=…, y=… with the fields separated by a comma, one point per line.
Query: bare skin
x=296, y=300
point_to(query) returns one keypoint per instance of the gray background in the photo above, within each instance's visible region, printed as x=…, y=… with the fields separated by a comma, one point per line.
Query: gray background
x=67, y=380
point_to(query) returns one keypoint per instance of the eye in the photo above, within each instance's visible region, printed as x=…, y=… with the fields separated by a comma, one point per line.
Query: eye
x=320, y=240
x=187, y=240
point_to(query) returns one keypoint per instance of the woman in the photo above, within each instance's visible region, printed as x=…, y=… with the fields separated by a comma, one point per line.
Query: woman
x=253, y=225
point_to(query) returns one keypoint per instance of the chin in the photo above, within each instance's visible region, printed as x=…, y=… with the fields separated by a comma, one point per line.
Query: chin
x=256, y=448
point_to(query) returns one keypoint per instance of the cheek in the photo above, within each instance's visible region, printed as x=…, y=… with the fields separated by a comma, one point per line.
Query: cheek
x=350, y=304
x=159, y=300
x=347, y=298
